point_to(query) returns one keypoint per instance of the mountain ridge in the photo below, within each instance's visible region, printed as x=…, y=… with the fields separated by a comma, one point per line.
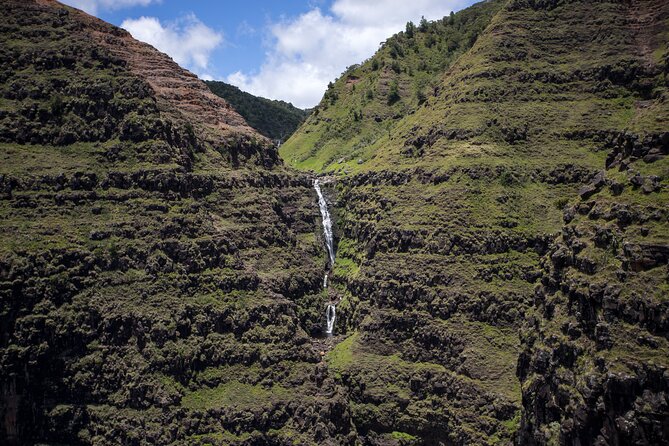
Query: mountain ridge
x=275, y=119
x=504, y=203
x=501, y=239
x=158, y=263
x=366, y=100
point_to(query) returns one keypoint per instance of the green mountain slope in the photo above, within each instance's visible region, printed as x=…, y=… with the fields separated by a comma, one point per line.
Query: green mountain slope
x=368, y=99
x=274, y=119
x=160, y=275
x=526, y=195
x=502, y=239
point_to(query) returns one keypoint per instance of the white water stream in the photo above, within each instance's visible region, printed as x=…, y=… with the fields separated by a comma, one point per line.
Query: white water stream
x=330, y=311
x=330, y=315
x=327, y=222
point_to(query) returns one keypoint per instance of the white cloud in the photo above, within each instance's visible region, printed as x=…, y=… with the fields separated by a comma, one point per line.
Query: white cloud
x=94, y=6
x=311, y=50
x=397, y=12
x=187, y=40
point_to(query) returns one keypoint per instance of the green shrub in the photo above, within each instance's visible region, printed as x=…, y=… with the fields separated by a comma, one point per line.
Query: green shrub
x=56, y=105
x=561, y=202
x=393, y=93
x=410, y=29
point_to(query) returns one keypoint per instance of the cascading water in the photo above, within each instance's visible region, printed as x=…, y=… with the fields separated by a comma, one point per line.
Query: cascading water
x=330, y=315
x=330, y=312
x=327, y=222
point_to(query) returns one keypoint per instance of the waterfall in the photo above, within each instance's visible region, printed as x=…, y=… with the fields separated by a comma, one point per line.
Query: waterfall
x=330, y=315
x=327, y=222
x=330, y=312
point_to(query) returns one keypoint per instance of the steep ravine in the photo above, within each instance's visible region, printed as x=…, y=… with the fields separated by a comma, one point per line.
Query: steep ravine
x=499, y=250
x=527, y=196
x=160, y=269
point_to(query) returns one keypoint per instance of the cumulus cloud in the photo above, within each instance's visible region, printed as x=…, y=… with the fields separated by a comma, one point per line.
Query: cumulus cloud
x=93, y=7
x=396, y=12
x=187, y=40
x=314, y=48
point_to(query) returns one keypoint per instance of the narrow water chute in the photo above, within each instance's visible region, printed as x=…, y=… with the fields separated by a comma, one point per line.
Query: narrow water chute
x=330, y=310
x=327, y=222
x=330, y=316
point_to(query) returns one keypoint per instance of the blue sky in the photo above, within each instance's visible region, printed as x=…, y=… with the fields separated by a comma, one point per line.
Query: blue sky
x=287, y=49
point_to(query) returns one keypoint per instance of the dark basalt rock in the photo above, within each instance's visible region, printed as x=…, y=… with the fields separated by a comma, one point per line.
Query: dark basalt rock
x=643, y=257
x=651, y=184
x=587, y=191
x=151, y=265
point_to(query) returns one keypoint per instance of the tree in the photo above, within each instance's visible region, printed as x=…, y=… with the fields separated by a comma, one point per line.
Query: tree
x=396, y=49
x=410, y=29
x=420, y=96
x=395, y=66
x=423, y=24
x=333, y=97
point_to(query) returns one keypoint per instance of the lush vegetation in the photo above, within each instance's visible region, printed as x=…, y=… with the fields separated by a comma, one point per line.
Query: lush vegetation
x=368, y=99
x=274, y=119
x=155, y=287
x=500, y=189
x=499, y=202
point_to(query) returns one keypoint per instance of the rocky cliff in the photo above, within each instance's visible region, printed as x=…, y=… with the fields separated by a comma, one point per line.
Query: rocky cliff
x=595, y=350
x=527, y=194
x=160, y=270
x=501, y=228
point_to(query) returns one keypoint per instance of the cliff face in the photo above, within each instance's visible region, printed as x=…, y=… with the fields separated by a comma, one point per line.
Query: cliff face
x=527, y=195
x=502, y=240
x=160, y=270
x=595, y=351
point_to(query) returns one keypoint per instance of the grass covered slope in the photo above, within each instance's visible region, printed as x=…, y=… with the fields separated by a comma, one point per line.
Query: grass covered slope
x=534, y=174
x=367, y=100
x=502, y=247
x=274, y=119
x=160, y=273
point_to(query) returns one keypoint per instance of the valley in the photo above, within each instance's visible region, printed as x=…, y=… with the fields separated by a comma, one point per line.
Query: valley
x=465, y=242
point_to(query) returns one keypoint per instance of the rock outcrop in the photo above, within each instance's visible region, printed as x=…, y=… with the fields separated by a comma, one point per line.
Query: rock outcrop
x=160, y=270
x=527, y=195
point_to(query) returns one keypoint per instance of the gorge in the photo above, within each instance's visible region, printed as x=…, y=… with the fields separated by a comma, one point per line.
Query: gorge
x=466, y=242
